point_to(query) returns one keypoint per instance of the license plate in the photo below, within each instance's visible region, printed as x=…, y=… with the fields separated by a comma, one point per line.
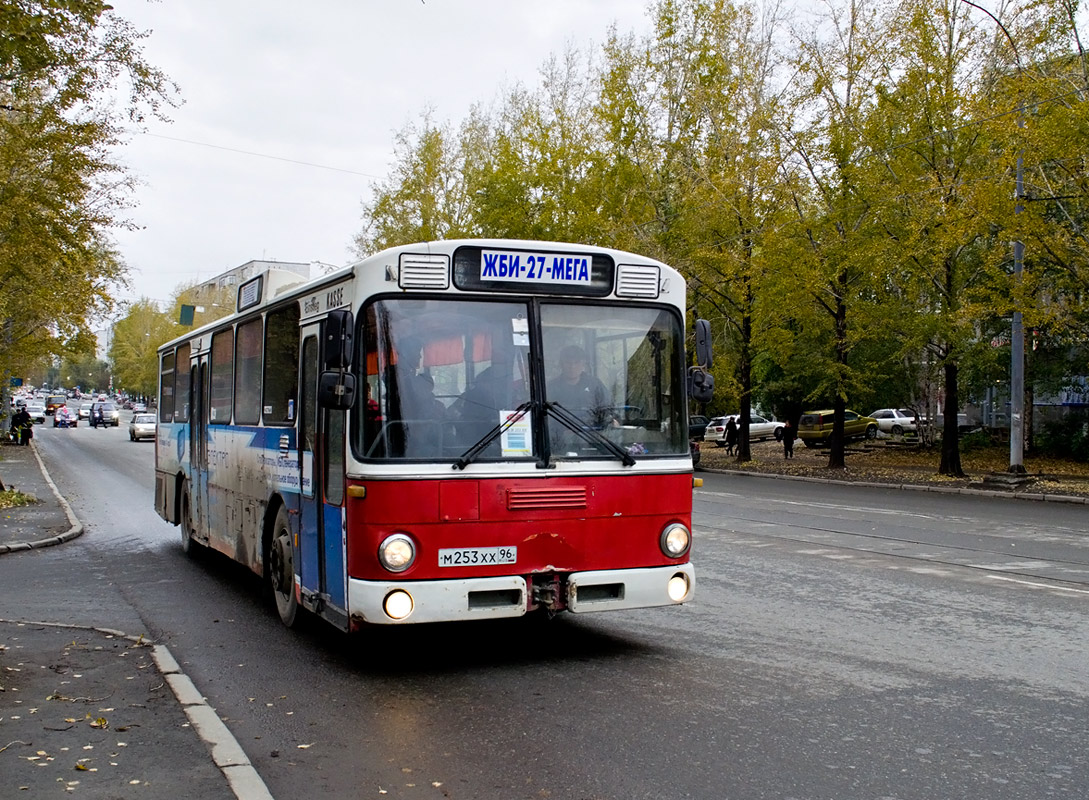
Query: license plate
x=477, y=556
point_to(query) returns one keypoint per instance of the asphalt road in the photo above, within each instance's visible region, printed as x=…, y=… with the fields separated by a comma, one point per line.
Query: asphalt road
x=844, y=642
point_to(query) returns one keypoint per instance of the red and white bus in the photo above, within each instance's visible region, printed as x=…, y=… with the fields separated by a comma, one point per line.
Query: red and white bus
x=443, y=431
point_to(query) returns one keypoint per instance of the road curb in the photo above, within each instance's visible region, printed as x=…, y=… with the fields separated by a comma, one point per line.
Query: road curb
x=73, y=532
x=913, y=487
x=226, y=752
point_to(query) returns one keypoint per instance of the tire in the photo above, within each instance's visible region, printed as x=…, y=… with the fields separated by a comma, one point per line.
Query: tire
x=280, y=570
x=897, y=430
x=779, y=434
x=871, y=432
x=190, y=546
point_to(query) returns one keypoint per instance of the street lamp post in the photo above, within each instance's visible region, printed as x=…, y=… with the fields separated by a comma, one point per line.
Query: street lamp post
x=1017, y=346
x=1017, y=332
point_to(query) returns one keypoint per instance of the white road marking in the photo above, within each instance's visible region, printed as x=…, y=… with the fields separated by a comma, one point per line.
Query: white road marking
x=1039, y=585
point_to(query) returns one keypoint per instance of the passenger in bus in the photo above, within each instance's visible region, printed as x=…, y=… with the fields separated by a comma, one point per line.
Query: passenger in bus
x=579, y=391
x=421, y=412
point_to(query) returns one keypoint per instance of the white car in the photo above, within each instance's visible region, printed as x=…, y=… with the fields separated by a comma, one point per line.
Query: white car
x=36, y=409
x=142, y=427
x=759, y=429
x=896, y=421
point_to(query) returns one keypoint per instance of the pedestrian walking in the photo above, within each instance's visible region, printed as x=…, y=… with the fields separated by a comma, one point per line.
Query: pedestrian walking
x=788, y=440
x=731, y=436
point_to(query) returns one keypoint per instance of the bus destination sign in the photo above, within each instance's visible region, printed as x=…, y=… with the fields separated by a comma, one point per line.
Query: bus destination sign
x=550, y=269
x=536, y=271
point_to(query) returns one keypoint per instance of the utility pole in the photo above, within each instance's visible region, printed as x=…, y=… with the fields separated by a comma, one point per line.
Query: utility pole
x=1017, y=334
x=1017, y=339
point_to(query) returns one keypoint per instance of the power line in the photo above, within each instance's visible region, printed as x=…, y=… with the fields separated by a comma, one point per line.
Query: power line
x=259, y=155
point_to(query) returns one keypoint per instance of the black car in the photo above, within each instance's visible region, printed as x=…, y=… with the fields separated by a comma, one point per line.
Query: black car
x=697, y=426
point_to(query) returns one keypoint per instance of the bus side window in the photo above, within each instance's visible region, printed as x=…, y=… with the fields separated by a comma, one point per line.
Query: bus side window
x=281, y=381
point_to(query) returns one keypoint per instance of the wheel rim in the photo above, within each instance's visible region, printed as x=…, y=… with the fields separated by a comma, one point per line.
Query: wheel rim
x=281, y=569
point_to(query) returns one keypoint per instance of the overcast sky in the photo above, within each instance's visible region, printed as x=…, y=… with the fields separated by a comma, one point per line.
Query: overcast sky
x=325, y=83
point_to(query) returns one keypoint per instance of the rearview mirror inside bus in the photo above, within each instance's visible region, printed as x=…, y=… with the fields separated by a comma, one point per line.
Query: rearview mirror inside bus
x=336, y=390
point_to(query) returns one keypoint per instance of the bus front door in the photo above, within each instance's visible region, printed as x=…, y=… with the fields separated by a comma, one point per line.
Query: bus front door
x=198, y=446
x=321, y=462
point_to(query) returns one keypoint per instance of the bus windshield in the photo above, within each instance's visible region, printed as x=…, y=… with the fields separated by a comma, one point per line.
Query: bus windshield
x=440, y=376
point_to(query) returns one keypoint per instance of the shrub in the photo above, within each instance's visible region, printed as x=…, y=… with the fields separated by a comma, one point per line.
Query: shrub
x=1066, y=438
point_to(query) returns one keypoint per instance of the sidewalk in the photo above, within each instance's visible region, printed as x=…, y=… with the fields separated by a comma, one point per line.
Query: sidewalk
x=91, y=712
x=48, y=522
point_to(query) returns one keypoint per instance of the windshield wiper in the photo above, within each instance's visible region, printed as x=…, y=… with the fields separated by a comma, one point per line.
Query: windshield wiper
x=470, y=455
x=576, y=426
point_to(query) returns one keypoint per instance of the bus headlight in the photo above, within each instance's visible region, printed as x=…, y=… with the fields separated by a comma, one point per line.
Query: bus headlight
x=675, y=540
x=397, y=552
x=398, y=604
x=678, y=587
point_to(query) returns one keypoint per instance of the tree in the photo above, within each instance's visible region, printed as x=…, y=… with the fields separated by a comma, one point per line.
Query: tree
x=729, y=171
x=136, y=338
x=834, y=219
x=424, y=197
x=61, y=63
x=946, y=204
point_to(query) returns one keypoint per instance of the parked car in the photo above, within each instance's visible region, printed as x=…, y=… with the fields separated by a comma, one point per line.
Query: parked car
x=110, y=414
x=142, y=427
x=896, y=421
x=760, y=429
x=697, y=426
x=815, y=427
x=36, y=409
x=965, y=423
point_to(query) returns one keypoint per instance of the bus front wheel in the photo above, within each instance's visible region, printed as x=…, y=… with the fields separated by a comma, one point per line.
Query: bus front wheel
x=190, y=546
x=281, y=570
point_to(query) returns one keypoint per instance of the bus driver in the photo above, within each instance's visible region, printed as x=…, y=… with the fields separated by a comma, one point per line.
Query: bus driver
x=580, y=392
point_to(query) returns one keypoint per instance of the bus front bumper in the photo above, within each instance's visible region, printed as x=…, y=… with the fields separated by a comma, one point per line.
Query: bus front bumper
x=408, y=602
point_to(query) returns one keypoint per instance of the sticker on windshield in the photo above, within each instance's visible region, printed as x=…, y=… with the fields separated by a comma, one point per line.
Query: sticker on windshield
x=515, y=440
x=550, y=269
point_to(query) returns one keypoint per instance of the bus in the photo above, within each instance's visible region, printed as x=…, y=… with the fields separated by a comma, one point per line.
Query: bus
x=451, y=430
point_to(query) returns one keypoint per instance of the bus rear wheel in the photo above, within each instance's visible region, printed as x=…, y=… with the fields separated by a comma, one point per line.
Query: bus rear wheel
x=281, y=570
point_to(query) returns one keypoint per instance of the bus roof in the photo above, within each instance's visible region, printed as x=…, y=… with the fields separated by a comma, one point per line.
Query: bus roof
x=394, y=264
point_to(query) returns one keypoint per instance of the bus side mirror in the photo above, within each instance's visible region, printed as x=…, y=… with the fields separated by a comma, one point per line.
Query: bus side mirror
x=703, y=343
x=338, y=340
x=701, y=385
x=336, y=390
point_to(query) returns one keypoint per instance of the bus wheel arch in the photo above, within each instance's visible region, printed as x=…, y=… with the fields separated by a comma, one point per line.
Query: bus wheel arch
x=280, y=563
x=190, y=546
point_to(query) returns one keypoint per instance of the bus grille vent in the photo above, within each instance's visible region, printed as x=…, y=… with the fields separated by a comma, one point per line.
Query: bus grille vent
x=424, y=272
x=567, y=497
x=637, y=280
